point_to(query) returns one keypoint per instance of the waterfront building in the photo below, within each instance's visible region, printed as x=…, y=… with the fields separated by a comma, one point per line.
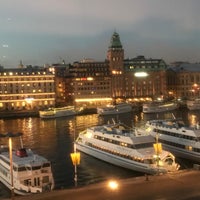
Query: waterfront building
x=145, y=78
x=188, y=80
x=63, y=84
x=26, y=88
x=91, y=83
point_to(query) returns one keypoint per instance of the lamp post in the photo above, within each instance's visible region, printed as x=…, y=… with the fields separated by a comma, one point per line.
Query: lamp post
x=75, y=156
x=10, y=135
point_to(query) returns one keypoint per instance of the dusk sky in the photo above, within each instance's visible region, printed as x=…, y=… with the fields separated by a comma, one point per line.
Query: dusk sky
x=48, y=31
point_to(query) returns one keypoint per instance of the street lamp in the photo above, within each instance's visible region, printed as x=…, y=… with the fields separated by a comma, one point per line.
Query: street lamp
x=75, y=157
x=76, y=161
x=10, y=135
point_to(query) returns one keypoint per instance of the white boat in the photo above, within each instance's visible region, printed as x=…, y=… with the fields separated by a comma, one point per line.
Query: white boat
x=156, y=107
x=58, y=112
x=183, y=141
x=114, y=109
x=193, y=104
x=123, y=147
x=31, y=172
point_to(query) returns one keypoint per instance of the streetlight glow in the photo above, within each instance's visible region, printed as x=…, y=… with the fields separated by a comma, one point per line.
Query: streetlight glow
x=113, y=185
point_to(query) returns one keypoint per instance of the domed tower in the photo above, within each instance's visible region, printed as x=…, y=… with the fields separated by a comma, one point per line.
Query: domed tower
x=115, y=56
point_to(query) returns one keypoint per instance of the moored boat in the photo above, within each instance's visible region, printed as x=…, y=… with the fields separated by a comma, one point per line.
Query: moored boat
x=183, y=141
x=123, y=147
x=58, y=112
x=114, y=109
x=30, y=173
x=157, y=107
x=193, y=104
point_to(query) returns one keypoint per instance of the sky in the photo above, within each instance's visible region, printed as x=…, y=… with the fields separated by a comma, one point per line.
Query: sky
x=48, y=31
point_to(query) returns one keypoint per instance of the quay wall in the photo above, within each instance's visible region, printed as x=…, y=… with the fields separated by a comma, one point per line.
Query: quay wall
x=181, y=185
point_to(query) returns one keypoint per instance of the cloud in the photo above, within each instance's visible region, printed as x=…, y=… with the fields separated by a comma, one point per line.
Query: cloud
x=72, y=28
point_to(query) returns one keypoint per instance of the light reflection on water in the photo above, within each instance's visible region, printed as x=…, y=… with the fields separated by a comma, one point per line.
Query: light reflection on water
x=54, y=139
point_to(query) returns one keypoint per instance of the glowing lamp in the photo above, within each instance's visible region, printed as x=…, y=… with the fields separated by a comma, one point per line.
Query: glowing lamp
x=140, y=74
x=75, y=158
x=158, y=148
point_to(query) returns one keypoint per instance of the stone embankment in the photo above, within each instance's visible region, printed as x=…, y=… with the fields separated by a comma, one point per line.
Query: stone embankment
x=182, y=185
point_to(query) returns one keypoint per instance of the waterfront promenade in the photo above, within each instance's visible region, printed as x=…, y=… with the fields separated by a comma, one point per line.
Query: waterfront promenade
x=182, y=185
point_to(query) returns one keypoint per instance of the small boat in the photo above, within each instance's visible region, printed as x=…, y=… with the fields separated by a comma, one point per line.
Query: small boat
x=114, y=109
x=193, y=104
x=31, y=172
x=157, y=107
x=183, y=141
x=123, y=147
x=58, y=112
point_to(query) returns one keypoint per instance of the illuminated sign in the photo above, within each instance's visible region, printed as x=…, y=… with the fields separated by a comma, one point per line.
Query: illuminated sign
x=140, y=74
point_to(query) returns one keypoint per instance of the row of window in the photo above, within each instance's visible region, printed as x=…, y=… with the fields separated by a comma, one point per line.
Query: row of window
x=132, y=146
x=137, y=159
x=181, y=146
x=25, y=79
x=178, y=135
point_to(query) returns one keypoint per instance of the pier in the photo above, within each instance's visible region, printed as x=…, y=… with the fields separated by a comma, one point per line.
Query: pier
x=181, y=185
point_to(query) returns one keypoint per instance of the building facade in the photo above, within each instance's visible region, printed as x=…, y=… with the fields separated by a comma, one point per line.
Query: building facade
x=26, y=88
x=145, y=78
x=91, y=82
x=187, y=80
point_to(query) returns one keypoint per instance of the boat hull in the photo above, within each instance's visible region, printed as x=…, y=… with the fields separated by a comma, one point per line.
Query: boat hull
x=181, y=153
x=57, y=112
x=119, y=161
x=181, y=146
x=147, y=108
x=193, y=104
x=114, y=110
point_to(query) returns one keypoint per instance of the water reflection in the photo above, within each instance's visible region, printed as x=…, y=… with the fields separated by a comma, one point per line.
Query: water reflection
x=54, y=139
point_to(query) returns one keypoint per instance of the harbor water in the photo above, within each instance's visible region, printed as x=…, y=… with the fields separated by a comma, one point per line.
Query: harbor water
x=54, y=138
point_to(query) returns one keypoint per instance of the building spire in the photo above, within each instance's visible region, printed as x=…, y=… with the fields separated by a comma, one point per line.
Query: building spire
x=115, y=41
x=20, y=64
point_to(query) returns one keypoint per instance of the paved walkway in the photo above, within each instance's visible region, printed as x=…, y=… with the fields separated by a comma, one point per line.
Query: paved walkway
x=182, y=185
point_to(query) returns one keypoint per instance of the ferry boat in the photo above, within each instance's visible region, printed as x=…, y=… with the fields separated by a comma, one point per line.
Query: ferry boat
x=193, y=104
x=123, y=147
x=114, y=109
x=157, y=107
x=183, y=141
x=58, y=112
x=31, y=172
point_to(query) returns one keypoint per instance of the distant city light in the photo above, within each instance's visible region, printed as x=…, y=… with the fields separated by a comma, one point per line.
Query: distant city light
x=141, y=74
x=93, y=99
x=5, y=45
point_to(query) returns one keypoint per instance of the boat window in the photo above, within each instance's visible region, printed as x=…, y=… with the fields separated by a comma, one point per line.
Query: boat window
x=45, y=179
x=144, y=145
x=21, y=169
x=46, y=165
x=27, y=182
x=175, y=134
x=36, y=167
